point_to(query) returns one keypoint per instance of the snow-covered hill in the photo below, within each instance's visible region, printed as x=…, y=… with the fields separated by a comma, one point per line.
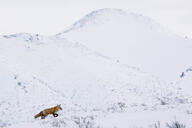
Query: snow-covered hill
x=133, y=39
x=93, y=87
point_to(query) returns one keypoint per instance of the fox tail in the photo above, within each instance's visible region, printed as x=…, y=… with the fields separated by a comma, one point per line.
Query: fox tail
x=37, y=115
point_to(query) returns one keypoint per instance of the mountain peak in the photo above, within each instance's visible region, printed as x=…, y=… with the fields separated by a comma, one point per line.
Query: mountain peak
x=108, y=15
x=106, y=11
x=132, y=39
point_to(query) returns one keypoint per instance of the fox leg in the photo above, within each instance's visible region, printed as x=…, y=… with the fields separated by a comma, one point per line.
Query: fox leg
x=42, y=117
x=55, y=114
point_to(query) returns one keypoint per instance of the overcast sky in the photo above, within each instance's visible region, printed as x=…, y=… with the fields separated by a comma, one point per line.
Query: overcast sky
x=52, y=16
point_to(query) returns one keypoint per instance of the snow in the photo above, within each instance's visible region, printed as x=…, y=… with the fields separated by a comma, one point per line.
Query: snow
x=133, y=39
x=146, y=119
x=83, y=70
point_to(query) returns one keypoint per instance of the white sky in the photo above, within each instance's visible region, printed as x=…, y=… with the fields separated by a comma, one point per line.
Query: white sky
x=52, y=16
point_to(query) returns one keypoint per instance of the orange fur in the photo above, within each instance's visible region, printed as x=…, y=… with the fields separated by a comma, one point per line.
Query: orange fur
x=48, y=111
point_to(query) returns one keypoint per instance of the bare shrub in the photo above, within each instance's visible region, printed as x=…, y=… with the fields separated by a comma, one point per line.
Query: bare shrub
x=176, y=124
x=157, y=125
x=84, y=122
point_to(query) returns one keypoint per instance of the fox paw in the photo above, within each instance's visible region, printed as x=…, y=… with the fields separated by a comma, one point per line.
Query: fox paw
x=42, y=117
x=55, y=115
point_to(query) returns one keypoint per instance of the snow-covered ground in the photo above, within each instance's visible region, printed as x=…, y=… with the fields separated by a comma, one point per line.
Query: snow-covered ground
x=111, y=69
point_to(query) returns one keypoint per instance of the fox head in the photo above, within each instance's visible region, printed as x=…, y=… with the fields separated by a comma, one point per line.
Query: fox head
x=59, y=106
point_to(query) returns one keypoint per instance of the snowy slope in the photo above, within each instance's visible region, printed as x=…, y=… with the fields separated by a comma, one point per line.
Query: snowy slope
x=133, y=39
x=56, y=71
x=94, y=87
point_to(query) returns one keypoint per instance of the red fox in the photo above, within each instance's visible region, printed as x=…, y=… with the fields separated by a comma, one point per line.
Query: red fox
x=48, y=111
